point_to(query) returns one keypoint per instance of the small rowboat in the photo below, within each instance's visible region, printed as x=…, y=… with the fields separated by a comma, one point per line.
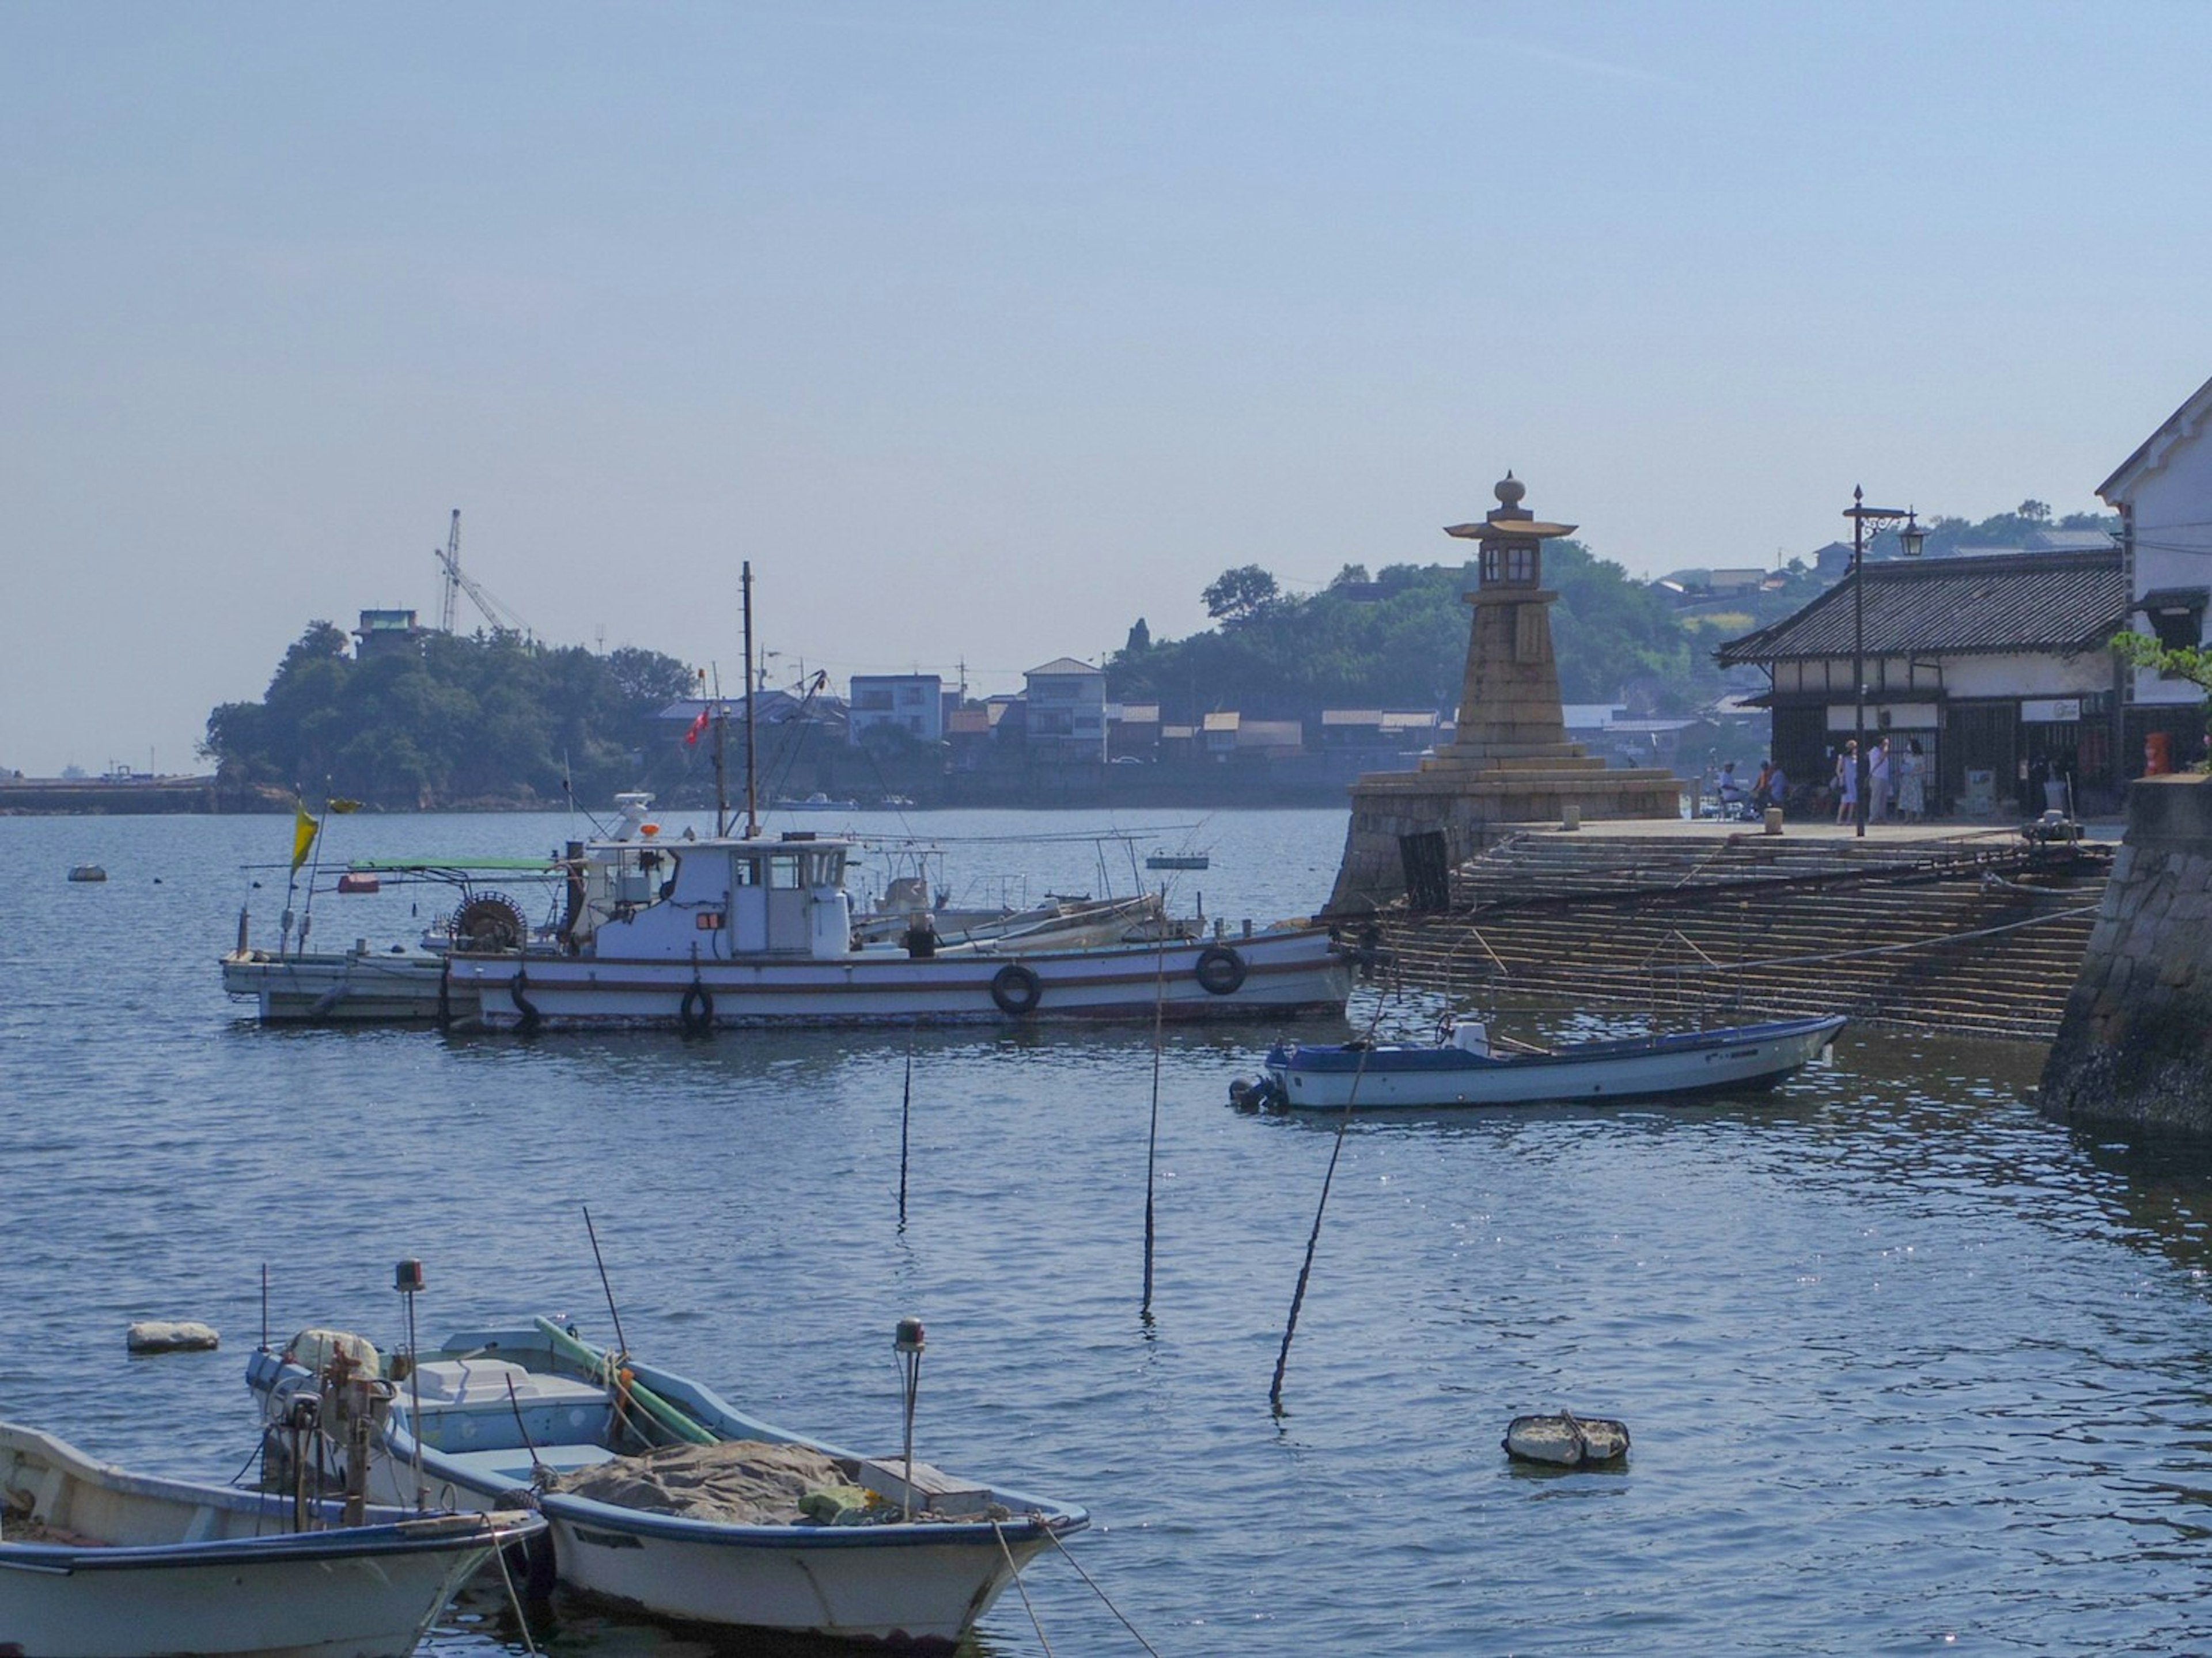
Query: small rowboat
x=96, y=1563
x=1461, y=1070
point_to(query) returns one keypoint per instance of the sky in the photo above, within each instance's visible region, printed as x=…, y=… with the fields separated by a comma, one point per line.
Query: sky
x=983, y=330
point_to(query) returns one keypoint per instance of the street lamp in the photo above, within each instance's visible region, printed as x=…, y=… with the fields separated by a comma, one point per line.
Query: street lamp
x=1911, y=537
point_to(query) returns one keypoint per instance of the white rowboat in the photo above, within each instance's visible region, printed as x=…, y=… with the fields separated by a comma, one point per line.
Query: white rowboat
x=96, y=1563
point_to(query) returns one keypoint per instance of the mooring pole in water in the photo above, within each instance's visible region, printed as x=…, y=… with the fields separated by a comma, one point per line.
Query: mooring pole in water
x=1313, y=1239
x=906, y=1111
x=1152, y=1143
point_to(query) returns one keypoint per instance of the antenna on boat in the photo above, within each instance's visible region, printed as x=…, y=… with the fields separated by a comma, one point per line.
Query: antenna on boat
x=752, y=797
x=907, y=1341
x=722, y=759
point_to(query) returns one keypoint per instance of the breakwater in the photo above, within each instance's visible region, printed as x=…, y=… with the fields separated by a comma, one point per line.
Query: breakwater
x=2132, y=1050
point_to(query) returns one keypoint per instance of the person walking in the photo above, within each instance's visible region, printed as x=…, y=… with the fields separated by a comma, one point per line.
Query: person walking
x=1847, y=782
x=1878, y=782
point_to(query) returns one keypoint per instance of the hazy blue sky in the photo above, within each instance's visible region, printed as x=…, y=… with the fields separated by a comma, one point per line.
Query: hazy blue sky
x=985, y=328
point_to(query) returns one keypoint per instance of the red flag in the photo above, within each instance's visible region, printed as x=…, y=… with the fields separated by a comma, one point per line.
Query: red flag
x=698, y=725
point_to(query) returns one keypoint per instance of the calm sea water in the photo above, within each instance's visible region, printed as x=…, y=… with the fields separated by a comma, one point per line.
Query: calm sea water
x=1907, y=1368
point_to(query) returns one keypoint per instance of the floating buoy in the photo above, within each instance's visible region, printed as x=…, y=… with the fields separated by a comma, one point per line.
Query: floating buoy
x=1566, y=1441
x=168, y=1336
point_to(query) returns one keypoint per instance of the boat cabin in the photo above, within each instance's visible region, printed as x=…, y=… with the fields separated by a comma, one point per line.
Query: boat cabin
x=713, y=899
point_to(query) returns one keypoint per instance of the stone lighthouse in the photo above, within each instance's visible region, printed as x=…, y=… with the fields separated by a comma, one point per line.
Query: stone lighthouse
x=1509, y=763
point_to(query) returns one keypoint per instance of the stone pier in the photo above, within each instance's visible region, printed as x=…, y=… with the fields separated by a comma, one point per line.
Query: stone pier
x=1509, y=762
x=2134, y=1048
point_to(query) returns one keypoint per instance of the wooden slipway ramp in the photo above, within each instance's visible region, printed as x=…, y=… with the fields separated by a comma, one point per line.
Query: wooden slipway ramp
x=1979, y=933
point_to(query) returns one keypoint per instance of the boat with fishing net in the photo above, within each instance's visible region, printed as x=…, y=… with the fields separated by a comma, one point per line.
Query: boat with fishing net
x=664, y=1496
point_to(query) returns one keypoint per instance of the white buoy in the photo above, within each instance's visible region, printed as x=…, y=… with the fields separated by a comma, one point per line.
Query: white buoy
x=171, y=1336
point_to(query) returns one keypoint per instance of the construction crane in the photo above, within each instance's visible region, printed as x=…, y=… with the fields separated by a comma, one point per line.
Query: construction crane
x=503, y=619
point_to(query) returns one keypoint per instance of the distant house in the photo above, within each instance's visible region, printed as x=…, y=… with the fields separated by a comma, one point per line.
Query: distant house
x=2163, y=492
x=1998, y=666
x=911, y=702
x=786, y=714
x=968, y=734
x=1699, y=586
x=1133, y=730
x=1217, y=734
x=388, y=633
x=1066, y=712
x=1378, y=731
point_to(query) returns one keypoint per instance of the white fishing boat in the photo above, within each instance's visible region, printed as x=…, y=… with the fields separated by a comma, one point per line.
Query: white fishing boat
x=664, y=1496
x=1462, y=1068
x=722, y=931
x=97, y=1563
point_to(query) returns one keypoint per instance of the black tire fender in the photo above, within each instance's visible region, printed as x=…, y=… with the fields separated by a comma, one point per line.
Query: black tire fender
x=1220, y=970
x=530, y=1020
x=1017, y=990
x=695, y=1013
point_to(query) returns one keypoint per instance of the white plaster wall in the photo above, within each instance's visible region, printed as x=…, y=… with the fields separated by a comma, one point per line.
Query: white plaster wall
x=2172, y=506
x=2028, y=676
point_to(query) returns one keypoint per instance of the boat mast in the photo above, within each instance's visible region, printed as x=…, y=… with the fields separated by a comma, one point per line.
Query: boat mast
x=721, y=761
x=752, y=798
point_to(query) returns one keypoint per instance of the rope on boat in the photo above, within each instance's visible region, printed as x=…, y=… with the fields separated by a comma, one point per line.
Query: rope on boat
x=1054, y=1537
x=1035, y=1623
x=521, y=1618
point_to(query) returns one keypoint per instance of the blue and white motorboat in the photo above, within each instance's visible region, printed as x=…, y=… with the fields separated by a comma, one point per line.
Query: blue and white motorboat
x=1462, y=1068
x=98, y=1562
x=664, y=1496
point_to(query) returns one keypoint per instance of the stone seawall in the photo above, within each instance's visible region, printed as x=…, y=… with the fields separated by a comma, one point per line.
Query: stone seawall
x=2135, y=1048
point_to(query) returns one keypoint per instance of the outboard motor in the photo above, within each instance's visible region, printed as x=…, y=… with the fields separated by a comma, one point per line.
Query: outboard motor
x=1471, y=1036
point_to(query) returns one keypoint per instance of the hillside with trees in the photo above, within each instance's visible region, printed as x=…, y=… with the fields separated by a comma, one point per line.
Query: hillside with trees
x=483, y=720
x=1398, y=639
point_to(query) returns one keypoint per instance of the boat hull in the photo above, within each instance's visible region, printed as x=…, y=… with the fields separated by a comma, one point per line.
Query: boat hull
x=840, y=1583
x=357, y=987
x=1666, y=1067
x=1279, y=974
x=238, y=1587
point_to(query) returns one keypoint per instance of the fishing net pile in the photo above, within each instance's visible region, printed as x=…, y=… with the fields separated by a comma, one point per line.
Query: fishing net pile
x=745, y=1482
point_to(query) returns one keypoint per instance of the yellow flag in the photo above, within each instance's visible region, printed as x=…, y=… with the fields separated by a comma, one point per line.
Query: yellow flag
x=303, y=835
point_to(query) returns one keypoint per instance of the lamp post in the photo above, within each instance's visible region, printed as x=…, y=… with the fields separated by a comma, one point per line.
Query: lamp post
x=1911, y=537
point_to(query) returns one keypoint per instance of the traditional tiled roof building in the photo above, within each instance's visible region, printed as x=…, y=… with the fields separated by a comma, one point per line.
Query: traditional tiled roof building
x=1997, y=665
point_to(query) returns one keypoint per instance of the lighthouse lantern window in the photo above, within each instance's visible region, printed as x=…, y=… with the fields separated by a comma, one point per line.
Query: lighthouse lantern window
x=1511, y=564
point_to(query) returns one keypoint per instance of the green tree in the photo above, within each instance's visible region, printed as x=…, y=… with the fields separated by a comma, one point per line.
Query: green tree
x=1241, y=594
